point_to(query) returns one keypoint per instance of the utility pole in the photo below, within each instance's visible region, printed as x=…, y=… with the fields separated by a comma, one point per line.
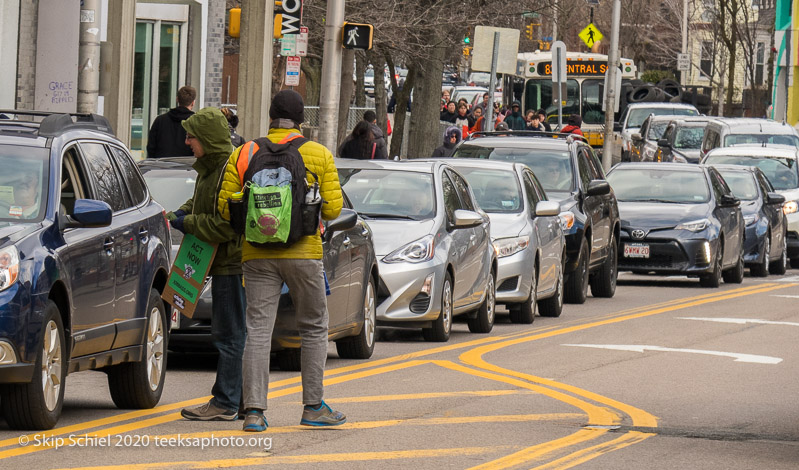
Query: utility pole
x=610, y=98
x=555, y=22
x=684, y=73
x=89, y=57
x=255, y=67
x=331, y=75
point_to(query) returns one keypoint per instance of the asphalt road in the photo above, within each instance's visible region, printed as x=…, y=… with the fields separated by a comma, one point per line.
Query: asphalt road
x=666, y=375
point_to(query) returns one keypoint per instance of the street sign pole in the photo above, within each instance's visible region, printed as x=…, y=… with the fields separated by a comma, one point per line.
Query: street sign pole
x=331, y=75
x=492, y=84
x=610, y=97
x=559, y=75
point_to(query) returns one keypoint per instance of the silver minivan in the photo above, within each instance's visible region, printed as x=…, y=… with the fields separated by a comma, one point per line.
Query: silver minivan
x=728, y=132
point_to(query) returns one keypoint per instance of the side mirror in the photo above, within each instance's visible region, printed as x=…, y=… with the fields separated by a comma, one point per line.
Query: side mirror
x=636, y=137
x=774, y=198
x=616, y=127
x=664, y=143
x=89, y=213
x=467, y=219
x=547, y=208
x=345, y=221
x=598, y=188
x=728, y=200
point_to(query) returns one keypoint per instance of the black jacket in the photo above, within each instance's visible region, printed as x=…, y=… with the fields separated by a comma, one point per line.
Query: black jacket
x=447, y=116
x=445, y=151
x=167, y=137
x=381, y=151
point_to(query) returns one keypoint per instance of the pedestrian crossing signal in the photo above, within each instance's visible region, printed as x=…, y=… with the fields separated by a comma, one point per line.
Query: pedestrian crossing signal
x=357, y=36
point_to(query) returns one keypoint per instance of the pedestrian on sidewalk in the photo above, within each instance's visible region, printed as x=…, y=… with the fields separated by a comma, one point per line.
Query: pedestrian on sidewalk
x=451, y=138
x=167, y=138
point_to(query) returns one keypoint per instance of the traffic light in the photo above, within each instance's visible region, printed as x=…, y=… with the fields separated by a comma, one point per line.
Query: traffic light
x=234, y=22
x=467, y=39
x=467, y=51
x=528, y=31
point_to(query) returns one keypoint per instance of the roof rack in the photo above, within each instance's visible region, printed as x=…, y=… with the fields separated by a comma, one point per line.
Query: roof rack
x=54, y=123
x=555, y=135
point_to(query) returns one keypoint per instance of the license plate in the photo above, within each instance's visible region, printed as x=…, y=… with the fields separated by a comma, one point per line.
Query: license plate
x=636, y=250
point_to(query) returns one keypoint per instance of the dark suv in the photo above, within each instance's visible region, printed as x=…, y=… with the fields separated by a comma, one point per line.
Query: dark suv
x=84, y=255
x=571, y=174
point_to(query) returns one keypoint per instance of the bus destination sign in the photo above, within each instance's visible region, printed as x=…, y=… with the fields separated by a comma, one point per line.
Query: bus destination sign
x=576, y=68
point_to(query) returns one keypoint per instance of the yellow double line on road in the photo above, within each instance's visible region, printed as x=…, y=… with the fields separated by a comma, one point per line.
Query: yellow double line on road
x=473, y=358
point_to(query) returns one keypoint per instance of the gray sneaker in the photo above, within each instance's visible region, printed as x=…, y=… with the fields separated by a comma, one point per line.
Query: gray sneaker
x=254, y=421
x=208, y=412
x=322, y=416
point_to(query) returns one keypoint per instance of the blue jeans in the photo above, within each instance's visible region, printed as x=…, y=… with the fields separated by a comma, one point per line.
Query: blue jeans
x=229, y=331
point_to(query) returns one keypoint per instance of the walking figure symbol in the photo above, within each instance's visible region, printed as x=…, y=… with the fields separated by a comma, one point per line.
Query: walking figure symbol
x=591, y=35
x=353, y=37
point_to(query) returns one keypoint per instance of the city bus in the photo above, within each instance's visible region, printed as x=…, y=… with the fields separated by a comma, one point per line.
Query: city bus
x=585, y=72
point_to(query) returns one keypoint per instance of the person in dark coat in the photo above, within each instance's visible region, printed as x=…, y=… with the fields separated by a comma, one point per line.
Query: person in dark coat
x=575, y=121
x=449, y=114
x=515, y=120
x=463, y=118
x=360, y=144
x=451, y=138
x=381, y=150
x=232, y=123
x=167, y=138
x=542, y=116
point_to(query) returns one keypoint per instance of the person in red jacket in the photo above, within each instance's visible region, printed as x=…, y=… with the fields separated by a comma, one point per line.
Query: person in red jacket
x=575, y=121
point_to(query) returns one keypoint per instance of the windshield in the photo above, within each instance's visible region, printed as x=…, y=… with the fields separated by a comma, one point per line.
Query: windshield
x=468, y=94
x=779, y=139
x=781, y=172
x=497, y=191
x=656, y=130
x=553, y=168
x=661, y=185
x=23, y=184
x=689, y=138
x=742, y=184
x=390, y=193
x=171, y=188
x=538, y=95
x=637, y=116
x=592, y=102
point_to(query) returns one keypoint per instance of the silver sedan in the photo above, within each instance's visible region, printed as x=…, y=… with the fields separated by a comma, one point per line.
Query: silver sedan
x=432, y=242
x=526, y=233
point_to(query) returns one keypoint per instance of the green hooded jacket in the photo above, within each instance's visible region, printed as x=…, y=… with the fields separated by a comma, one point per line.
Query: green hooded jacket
x=210, y=127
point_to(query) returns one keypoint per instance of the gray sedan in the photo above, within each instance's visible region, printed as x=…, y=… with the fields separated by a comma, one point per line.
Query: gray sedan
x=432, y=240
x=527, y=236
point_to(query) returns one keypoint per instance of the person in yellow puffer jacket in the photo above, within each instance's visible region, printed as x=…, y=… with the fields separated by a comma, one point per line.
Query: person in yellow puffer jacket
x=300, y=267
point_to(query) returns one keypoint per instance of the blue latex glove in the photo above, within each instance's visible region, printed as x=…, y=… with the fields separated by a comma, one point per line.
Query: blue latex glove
x=177, y=224
x=180, y=213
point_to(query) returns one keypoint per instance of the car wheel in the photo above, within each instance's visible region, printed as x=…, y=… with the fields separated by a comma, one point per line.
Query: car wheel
x=442, y=326
x=603, y=283
x=362, y=345
x=735, y=275
x=761, y=269
x=524, y=312
x=794, y=263
x=483, y=322
x=37, y=405
x=577, y=285
x=553, y=306
x=713, y=279
x=780, y=265
x=289, y=360
x=140, y=384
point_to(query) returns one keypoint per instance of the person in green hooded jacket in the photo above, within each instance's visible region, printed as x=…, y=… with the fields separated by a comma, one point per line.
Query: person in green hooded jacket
x=209, y=138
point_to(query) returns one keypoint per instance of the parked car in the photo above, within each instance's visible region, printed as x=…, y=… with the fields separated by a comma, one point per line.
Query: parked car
x=728, y=132
x=679, y=219
x=645, y=142
x=432, y=240
x=632, y=118
x=571, y=174
x=781, y=167
x=467, y=92
x=84, y=256
x=765, y=241
x=681, y=140
x=526, y=234
x=350, y=266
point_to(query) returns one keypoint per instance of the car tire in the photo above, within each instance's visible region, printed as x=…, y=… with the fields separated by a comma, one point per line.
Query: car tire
x=577, y=285
x=524, y=313
x=553, y=306
x=794, y=263
x=713, y=279
x=761, y=269
x=603, y=283
x=483, y=322
x=289, y=360
x=442, y=326
x=735, y=275
x=780, y=265
x=362, y=345
x=37, y=405
x=139, y=385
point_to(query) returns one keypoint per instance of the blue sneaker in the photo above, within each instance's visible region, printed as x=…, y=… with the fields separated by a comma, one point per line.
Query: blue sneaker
x=254, y=421
x=322, y=416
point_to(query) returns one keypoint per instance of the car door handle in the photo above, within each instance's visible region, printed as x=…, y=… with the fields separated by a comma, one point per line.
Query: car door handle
x=365, y=231
x=346, y=241
x=109, y=244
x=143, y=235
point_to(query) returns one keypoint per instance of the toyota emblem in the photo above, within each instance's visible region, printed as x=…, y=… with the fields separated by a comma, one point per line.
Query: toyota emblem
x=638, y=234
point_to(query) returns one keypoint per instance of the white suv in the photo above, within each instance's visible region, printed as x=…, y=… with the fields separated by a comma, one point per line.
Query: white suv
x=632, y=118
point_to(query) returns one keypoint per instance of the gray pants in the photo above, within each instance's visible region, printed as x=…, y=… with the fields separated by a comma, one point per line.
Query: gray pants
x=263, y=279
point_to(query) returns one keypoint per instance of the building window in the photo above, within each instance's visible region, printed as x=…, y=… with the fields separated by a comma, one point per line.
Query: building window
x=706, y=62
x=760, y=59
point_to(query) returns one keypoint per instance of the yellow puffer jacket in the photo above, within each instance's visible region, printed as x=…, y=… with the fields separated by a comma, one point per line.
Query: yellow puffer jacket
x=319, y=160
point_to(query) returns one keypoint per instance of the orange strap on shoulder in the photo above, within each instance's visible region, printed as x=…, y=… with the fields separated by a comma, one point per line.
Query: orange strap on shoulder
x=244, y=159
x=289, y=138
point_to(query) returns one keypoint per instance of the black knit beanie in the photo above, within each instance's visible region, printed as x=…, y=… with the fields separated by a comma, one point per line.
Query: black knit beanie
x=287, y=104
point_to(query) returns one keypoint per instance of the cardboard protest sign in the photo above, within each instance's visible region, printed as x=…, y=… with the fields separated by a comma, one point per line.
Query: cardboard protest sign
x=188, y=273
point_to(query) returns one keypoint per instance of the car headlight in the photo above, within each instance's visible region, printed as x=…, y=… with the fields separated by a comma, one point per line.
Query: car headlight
x=790, y=207
x=694, y=226
x=414, y=252
x=751, y=219
x=9, y=267
x=566, y=220
x=510, y=246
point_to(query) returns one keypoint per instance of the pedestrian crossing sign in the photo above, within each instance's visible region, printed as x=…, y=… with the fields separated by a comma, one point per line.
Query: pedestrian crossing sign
x=591, y=35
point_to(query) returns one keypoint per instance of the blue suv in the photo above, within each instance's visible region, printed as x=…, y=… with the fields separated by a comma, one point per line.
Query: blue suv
x=84, y=255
